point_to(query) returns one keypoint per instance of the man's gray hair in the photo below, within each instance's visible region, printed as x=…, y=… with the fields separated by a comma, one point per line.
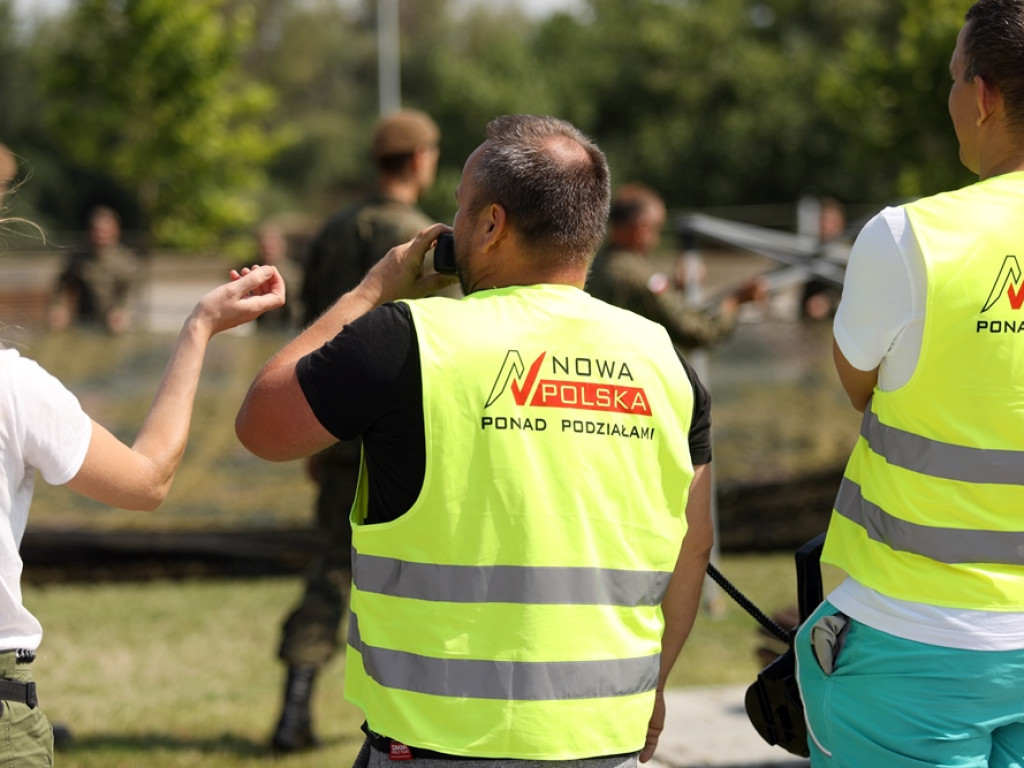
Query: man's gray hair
x=552, y=181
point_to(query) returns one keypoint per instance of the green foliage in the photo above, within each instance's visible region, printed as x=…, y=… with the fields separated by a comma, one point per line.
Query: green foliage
x=464, y=71
x=888, y=88
x=707, y=101
x=729, y=102
x=193, y=106
x=320, y=57
x=150, y=92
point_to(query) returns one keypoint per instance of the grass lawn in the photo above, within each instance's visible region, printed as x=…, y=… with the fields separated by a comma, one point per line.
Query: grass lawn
x=168, y=674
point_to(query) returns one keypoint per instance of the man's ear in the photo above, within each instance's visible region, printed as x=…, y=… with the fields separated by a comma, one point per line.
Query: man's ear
x=495, y=224
x=989, y=98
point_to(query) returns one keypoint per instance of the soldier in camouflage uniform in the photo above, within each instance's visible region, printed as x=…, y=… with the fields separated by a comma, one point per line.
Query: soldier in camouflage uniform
x=98, y=283
x=625, y=275
x=405, y=152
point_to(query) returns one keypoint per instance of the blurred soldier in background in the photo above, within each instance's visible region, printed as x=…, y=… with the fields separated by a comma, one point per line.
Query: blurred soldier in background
x=626, y=275
x=99, y=281
x=820, y=298
x=405, y=154
x=272, y=249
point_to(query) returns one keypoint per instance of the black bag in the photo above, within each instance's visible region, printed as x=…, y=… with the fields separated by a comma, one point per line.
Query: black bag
x=774, y=707
x=773, y=701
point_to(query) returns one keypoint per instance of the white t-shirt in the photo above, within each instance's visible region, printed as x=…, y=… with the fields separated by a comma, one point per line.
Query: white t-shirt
x=42, y=427
x=879, y=324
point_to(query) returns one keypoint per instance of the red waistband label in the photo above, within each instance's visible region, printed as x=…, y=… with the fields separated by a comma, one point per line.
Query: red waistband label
x=399, y=751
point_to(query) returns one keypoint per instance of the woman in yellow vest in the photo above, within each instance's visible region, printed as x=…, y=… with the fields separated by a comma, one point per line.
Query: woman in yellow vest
x=917, y=658
x=532, y=522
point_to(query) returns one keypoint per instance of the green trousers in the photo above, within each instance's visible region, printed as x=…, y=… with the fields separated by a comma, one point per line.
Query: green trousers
x=26, y=738
x=309, y=637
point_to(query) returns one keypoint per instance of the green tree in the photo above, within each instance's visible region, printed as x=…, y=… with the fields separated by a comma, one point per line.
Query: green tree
x=320, y=57
x=733, y=102
x=19, y=125
x=706, y=100
x=151, y=93
x=464, y=70
x=887, y=87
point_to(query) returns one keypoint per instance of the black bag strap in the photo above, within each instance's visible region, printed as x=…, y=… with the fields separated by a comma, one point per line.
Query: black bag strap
x=763, y=619
x=809, y=588
x=809, y=591
x=773, y=701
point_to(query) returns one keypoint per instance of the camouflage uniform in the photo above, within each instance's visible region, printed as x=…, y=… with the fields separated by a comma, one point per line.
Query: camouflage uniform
x=99, y=282
x=349, y=244
x=632, y=281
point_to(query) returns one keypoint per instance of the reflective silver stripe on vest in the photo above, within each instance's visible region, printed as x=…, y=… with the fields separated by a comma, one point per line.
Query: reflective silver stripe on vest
x=931, y=457
x=507, y=583
x=944, y=545
x=505, y=680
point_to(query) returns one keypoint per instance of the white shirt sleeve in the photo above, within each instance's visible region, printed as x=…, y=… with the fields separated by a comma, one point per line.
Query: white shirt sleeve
x=56, y=429
x=880, y=316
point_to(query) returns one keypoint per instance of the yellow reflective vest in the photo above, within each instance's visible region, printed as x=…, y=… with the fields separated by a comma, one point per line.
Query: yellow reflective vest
x=931, y=508
x=514, y=610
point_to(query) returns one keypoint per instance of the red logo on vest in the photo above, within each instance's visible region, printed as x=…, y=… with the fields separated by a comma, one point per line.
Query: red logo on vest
x=579, y=383
x=1008, y=283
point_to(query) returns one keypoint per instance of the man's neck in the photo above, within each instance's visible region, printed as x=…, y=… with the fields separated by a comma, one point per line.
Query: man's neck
x=1010, y=165
x=402, y=190
x=571, y=276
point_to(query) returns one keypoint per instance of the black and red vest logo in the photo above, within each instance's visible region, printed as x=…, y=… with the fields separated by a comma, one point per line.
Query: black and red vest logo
x=1009, y=284
x=579, y=383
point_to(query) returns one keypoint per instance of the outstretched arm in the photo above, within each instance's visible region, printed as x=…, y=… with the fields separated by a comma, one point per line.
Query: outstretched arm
x=682, y=599
x=139, y=477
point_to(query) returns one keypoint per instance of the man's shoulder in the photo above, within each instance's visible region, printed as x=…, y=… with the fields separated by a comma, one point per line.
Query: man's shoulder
x=622, y=267
x=124, y=255
x=342, y=219
x=393, y=213
x=375, y=213
x=621, y=258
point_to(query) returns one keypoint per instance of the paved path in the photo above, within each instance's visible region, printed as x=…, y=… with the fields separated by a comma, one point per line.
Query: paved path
x=709, y=727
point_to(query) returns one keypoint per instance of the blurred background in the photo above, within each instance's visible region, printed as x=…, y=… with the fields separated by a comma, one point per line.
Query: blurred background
x=202, y=121
x=198, y=119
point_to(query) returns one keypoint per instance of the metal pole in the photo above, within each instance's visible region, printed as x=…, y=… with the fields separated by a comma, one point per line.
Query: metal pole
x=388, y=57
x=694, y=272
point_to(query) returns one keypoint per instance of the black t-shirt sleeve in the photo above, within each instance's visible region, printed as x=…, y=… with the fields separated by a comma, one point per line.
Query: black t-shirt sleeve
x=363, y=374
x=700, y=425
x=366, y=382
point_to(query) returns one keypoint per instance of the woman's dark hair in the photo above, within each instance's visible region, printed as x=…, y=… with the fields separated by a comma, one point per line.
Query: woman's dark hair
x=993, y=48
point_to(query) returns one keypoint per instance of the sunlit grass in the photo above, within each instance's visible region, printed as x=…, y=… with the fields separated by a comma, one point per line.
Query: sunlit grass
x=176, y=674
x=184, y=673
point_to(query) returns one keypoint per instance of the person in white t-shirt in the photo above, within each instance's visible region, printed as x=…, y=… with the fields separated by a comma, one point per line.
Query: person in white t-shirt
x=917, y=658
x=44, y=429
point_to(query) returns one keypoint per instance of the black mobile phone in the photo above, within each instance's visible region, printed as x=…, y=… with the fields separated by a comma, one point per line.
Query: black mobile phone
x=444, y=254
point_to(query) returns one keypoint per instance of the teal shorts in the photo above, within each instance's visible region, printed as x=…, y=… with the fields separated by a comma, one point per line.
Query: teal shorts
x=903, y=704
